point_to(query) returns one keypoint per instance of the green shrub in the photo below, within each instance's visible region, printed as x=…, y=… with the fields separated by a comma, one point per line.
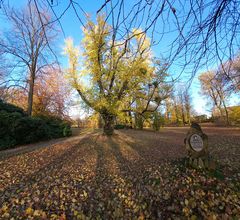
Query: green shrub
x=58, y=127
x=119, y=126
x=11, y=108
x=7, y=142
x=67, y=131
x=17, y=128
x=7, y=123
x=55, y=130
x=28, y=130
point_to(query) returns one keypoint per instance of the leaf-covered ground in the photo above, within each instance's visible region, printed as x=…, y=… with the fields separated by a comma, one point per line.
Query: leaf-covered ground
x=132, y=175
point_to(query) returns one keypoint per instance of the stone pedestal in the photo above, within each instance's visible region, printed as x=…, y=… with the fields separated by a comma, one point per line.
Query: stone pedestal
x=196, y=143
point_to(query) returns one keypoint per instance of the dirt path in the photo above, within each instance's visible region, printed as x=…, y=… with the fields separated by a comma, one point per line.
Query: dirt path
x=132, y=175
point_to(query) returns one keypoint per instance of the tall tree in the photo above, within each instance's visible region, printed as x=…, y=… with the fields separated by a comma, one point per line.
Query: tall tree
x=235, y=75
x=27, y=43
x=181, y=106
x=197, y=32
x=51, y=94
x=117, y=70
x=213, y=86
x=187, y=105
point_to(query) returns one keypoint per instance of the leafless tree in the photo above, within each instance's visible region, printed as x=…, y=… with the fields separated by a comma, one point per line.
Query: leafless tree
x=187, y=105
x=202, y=32
x=184, y=103
x=198, y=33
x=214, y=87
x=2, y=68
x=26, y=45
x=234, y=75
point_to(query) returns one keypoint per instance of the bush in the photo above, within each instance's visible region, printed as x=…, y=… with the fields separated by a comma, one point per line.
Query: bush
x=58, y=127
x=7, y=123
x=67, y=131
x=11, y=108
x=17, y=128
x=28, y=130
x=119, y=126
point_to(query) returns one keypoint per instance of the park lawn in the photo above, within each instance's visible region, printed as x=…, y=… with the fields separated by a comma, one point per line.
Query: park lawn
x=131, y=175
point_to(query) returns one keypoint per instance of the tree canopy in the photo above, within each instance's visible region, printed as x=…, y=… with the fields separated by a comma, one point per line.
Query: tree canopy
x=118, y=72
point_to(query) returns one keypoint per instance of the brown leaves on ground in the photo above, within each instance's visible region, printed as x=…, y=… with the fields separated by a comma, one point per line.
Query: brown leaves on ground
x=131, y=175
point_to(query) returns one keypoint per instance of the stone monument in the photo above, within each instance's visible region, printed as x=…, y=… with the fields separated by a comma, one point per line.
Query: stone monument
x=196, y=143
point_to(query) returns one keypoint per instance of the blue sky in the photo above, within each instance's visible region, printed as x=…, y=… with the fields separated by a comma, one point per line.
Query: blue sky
x=72, y=28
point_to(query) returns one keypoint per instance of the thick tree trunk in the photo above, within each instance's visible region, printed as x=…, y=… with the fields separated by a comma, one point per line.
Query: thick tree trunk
x=226, y=112
x=108, y=127
x=139, y=121
x=30, y=95
x=130, y=118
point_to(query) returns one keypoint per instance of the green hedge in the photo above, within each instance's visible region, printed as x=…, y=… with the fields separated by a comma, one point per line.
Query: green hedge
x=17, y=128
x=119, y=126
x=11, y=108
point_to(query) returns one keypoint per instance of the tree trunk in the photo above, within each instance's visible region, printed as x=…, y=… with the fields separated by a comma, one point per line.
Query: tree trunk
x=108, y=127
x=183, y=118
x=176, y=113
x=188, y=116
x=139, y=121
x=130, y=118
x=100, y=124
x=30, y=95
x=226, y=112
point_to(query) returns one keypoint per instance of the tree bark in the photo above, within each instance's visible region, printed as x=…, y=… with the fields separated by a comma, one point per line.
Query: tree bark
x=183, y=117
x=130, y=118
x=139, y=121
x=226, y=112
x=108, y=127
x=188, y=116
x=30, y=95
